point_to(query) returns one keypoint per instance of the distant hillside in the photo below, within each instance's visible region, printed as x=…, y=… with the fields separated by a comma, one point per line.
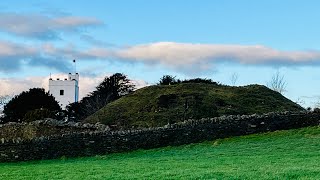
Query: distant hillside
x=162, y=104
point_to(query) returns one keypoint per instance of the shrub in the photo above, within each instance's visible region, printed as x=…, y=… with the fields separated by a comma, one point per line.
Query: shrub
x=316, y=110
x=171, y=80
x=168, y=80
x=38, y=114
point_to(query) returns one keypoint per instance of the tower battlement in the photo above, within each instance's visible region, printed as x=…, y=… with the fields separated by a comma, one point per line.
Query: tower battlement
x=65, y=90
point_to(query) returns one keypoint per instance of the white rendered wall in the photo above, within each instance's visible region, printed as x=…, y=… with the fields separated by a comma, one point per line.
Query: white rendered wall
x=70, y=86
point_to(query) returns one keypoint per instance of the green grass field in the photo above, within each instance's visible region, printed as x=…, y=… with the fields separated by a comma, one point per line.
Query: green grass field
x=293, y=154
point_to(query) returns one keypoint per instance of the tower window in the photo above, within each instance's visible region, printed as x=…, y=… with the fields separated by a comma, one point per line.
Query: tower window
x=61, y=92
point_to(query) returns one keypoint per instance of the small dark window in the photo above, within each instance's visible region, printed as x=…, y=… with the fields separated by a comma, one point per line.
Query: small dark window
x=61, y=92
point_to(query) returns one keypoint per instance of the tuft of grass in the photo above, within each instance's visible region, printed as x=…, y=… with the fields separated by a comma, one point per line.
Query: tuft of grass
x=291, y=154
x=163, y=104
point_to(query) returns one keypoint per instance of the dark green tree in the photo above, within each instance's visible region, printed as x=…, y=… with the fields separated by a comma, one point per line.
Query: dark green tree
x=36, y=98
x=110, y=89
x=171, y=80
x=200, y=80
x=167, y=80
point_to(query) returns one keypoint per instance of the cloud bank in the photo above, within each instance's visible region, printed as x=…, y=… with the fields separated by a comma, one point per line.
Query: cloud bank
x=181, y=54
x=199, y=57
x=13, y=56
x=43, y=27
x=186, y=56
x=177, y=54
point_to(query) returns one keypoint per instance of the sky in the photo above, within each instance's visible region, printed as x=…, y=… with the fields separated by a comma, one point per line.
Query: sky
x=146, y=39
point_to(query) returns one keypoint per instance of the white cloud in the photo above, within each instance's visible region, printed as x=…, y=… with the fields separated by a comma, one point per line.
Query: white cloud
x=11, y=49
x=14, y=55
x=187, y=57
x=74, y=22
x=139, y=83
x=181, y=54
x=43, y=27
x=14, y=86
x=198, y=56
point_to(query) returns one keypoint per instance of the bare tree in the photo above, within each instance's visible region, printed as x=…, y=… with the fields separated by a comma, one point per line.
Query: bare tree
x=317, y=103
x=234, y=78
x=301, y=102
x=277, y=83
x=4, y=99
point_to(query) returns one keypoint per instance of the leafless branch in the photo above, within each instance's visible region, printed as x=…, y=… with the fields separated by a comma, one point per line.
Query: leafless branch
x=234, y=78
x=277, y=83
x=5, y=99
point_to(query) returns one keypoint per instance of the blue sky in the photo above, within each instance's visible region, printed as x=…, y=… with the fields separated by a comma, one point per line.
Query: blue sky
x=147, y=39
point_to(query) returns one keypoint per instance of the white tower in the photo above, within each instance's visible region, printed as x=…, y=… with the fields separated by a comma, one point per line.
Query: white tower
x=65, y=91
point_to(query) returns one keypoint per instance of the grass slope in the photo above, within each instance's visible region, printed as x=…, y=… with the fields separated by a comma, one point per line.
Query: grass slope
x=292, y=154
x=157, y=105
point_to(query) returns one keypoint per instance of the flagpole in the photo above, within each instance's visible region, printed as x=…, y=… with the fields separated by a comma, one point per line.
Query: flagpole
x=75, y=66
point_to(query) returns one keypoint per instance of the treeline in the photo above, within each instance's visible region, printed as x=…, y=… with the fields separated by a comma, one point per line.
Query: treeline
x=37, y=104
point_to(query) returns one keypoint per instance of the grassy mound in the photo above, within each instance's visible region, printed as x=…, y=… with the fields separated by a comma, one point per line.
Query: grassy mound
x=159, y=105
x=292, y=154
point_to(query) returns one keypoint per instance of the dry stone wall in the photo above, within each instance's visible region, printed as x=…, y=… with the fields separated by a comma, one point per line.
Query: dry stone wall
x=46, y=127
x=191, y=131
